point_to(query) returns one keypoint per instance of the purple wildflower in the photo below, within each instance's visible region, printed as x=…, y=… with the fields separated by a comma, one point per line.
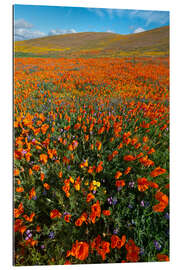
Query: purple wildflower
x=116, y=231
x=28, y=232
x=131, y=184
x=142, y=203
x=51, y=235
x=110, y=200
x=141, y=251
x=157, y=245
x=114, y=201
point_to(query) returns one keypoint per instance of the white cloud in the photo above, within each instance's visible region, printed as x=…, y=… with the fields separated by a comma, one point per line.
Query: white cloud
x=139, y=30
x=116, y=12
x=54, y=32
x=23, y=30
x=21, y=23
x=99, y=12
x=110, y=12
x=120, y=12
x=149, y=16
x=23, y=34
x=109, y=31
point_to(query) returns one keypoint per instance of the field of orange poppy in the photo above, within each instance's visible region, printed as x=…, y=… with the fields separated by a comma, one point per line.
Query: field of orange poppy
x=91, y=160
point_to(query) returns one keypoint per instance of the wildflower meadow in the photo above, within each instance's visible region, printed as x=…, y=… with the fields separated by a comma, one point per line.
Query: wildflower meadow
x=91, y=160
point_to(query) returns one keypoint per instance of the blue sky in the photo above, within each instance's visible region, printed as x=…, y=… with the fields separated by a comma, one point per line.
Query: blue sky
x=39, y=21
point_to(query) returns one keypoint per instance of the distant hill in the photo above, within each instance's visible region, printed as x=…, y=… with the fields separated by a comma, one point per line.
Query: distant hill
x=152, y=42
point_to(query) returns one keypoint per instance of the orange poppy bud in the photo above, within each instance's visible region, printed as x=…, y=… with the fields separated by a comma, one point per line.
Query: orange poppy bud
x=118, y=175
x=106, y=212
x=16, y=172
x=60, y=174
x=46, y=186
x=42, y=176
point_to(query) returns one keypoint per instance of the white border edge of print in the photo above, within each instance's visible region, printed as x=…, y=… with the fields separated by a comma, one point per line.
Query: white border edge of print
x=6, y=126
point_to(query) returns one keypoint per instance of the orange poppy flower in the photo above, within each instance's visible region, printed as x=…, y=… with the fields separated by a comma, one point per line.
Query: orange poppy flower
x=120, y=146
x=16, y=172
x=17, y=225
x=18, y=211
x=46, y=186
x=30, y=218
x=101, y=130
x=27, y=156
x=44, y=128
x=90, y=197
x=32, y=193
x=22, y=229
x=137, y=146
x=19, y=189
x=80, y=250
x=38, y=228
x=162, y=257
x=104, y=249
x=117, y=242
x=163, y=202
x=99, y=167
x=106, y=212
x=132, y=251
x=167, y=186
x=36, y=168
x=145, y=139
x=120, y=183
x=86, y=138
x=95, y=211
x=143, y=184
x=67, y=262
x=77, y=126
x=43, y=158
x=84, y=164
x=151, y=151
x=160, y=196
x=153, y=184
x=118, y=175
x=127, y=170
x=67, y=218
x=129, y=158
x=122, y=242
x=31, y=242
x=98, y=145
x=42, y=175
x=95, y=244
x=79, y=222
x=91, y=169
x=158, y=171
x=55, y=214
x=30, y=172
